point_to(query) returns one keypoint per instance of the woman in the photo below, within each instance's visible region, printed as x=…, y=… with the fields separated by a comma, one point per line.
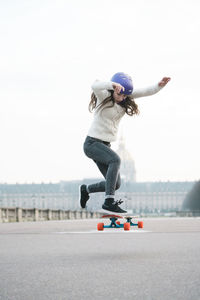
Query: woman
x=110, y=101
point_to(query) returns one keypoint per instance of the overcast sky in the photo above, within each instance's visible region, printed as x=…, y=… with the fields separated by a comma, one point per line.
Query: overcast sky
x=50, y=54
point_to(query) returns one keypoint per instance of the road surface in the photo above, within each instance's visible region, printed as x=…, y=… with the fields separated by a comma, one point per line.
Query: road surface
x=72, y=260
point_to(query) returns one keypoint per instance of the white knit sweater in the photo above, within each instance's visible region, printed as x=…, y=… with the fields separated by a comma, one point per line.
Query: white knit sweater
x=106, y=120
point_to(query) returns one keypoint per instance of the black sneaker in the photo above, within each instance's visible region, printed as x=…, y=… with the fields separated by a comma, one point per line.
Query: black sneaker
x=83, y=195
x=113, y=206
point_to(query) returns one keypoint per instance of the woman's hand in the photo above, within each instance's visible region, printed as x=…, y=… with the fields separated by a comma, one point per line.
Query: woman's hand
x=117, y=87
x=164, y=81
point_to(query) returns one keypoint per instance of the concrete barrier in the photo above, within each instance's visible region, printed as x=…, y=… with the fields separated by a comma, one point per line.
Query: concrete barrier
x=18, y=214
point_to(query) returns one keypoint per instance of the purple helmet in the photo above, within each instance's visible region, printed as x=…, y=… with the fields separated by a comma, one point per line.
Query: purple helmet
x=125, y=80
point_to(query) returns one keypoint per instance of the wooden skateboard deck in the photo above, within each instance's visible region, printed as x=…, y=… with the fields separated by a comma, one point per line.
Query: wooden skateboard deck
x=118, y=216
x=112, y=216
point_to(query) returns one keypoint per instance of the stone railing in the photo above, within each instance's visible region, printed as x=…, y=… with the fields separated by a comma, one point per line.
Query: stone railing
x=189, y=213
x=16, y=214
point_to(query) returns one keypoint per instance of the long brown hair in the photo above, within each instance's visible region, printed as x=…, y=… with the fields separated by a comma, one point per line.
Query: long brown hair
x=131, y=108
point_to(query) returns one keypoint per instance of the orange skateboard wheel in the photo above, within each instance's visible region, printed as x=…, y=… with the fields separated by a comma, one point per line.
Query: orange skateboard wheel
x=127, y=226
x=100, y=226
x=118, y=222
x=140, y=224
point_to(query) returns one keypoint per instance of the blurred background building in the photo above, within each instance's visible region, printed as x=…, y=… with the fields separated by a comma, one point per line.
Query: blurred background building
x=139, y=197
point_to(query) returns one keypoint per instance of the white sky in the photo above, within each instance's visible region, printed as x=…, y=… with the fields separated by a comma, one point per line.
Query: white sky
x=51, y=52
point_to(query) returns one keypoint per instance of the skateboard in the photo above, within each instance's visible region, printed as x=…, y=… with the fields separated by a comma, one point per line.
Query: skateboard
x=117, y=224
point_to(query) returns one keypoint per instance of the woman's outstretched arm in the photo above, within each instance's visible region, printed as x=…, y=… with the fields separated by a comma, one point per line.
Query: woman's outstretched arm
x=151, y=90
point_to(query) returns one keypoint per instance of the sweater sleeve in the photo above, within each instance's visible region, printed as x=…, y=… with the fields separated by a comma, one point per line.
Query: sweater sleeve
x=100, y=89
x=143, y=92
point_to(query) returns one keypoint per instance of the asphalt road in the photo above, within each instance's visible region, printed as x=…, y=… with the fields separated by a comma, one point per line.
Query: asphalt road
x=72, y=260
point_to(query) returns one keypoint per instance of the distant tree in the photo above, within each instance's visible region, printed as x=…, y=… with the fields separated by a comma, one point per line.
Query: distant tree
x=192, y=199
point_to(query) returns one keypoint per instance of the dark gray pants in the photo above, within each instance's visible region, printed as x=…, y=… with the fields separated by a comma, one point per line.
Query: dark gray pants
x=108, y=163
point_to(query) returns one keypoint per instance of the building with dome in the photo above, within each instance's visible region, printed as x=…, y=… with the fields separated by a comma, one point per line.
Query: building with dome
x=127, y=168
x=138, y=197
